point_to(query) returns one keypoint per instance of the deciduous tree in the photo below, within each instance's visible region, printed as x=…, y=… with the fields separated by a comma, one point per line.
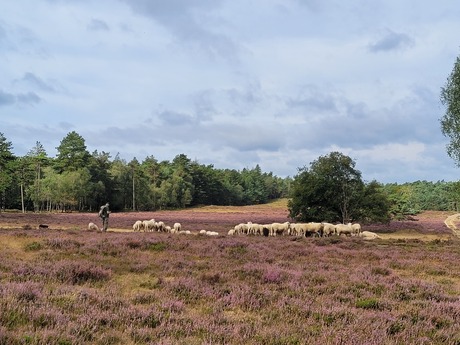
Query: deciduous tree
x=332, y=190
x=450, y=122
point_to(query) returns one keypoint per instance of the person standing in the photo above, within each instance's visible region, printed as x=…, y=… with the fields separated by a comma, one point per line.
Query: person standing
x=104, y=214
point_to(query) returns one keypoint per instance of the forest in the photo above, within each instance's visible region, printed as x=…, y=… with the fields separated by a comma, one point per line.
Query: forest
x=77, y=180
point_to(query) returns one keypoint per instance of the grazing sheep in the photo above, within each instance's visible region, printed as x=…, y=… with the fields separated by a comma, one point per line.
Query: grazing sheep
x=369, y=235
x=202, y=232
x=328, y=229
x=149, y=225
x=345, y=229
x=279, y=228
x=167, y=228
x=356, y=227
x=295, y=229
x=306, y=229
x=314, y=229
x=92, y=226
x=256, y=229
x=138, y=225
x=266, y=229
x=160, y=226
x=244, y=228
x=177, y=227
x=231, y=232
x=212, y=233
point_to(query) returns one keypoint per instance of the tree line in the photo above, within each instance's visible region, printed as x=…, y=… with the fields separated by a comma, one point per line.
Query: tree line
x=76, y=180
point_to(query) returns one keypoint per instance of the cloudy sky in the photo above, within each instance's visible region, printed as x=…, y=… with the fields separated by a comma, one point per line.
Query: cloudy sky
x=234, y=83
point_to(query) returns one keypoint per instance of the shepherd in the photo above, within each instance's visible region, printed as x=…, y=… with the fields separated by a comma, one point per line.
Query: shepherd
x=104, y=213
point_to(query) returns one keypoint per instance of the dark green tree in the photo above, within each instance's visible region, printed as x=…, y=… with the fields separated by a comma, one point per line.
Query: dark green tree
x=6, y=168
x=330, y=190
x=101, y=185
x=72, y=153
x=373, y=205
x=121, y=178
x=450, y=122
x=254, y=184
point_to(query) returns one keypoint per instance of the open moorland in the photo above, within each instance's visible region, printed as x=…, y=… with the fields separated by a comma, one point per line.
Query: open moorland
x=68, y=285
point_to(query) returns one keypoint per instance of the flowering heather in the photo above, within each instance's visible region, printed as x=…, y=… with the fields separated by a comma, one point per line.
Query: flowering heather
x=72, y=287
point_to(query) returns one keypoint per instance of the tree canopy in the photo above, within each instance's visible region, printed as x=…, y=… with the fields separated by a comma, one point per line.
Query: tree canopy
x=450, y=122
x=332, y=190
x=78, y=180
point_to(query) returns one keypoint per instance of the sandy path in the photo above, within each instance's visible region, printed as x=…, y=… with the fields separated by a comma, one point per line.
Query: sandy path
x=450, y=223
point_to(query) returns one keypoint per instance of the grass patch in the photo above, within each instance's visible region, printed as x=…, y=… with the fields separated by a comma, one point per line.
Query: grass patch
x=368, y=303
x=33, y=246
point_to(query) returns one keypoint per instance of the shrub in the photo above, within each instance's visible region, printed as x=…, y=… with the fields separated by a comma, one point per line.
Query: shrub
x=80, y=272
x=33, y=246
x=368, y=303
x=156, y=247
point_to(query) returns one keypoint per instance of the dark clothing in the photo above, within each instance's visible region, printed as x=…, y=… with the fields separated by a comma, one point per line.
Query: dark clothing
x=104, y=214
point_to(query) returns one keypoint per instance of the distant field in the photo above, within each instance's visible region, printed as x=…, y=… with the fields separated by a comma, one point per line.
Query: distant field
x=428, y=225
x=67, y=285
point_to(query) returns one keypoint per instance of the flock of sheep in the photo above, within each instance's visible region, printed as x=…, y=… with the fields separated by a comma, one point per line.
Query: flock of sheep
x=152, y=225
x=311, y=229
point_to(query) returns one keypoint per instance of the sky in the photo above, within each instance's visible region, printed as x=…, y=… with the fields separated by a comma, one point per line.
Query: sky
x=234, y=83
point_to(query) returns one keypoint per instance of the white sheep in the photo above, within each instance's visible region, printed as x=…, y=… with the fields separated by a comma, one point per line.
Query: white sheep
x=138, y=225
x=279, y=228
x=202, y=232
x=184, y=232
x=356, y=227
x=167, y=228
x=160, y=226
x=256, y=229
x=243, y=228
x=149, y=225
x=345, y=229
x=92, y=226
x=294, y=229
x=212, y=233
x=231, y=232
x=328, y=229
x=177, y=227
x=369, y=235
x=314, y=229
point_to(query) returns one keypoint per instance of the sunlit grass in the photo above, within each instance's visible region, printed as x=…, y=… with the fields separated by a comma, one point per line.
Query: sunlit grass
x=275, y=204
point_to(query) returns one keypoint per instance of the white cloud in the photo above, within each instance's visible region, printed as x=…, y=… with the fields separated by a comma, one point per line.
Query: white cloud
x=233, y=83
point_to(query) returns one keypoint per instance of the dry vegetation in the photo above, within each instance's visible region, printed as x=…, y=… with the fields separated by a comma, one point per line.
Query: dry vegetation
x=67, y=285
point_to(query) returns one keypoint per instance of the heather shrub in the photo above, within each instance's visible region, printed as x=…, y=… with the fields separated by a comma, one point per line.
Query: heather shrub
x=144, y=298
x=59, y=243
x=80, y=272
x=155, y=288
x=383, y=271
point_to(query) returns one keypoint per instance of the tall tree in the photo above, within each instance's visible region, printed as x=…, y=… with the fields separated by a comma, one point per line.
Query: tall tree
x=101, y=183
x=450, y=122
x=72, y=153
x=6, y=160
x=38, y=159
x=331, y=190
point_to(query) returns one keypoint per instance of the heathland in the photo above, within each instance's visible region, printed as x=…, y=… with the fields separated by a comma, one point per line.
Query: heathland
x=68, y=285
